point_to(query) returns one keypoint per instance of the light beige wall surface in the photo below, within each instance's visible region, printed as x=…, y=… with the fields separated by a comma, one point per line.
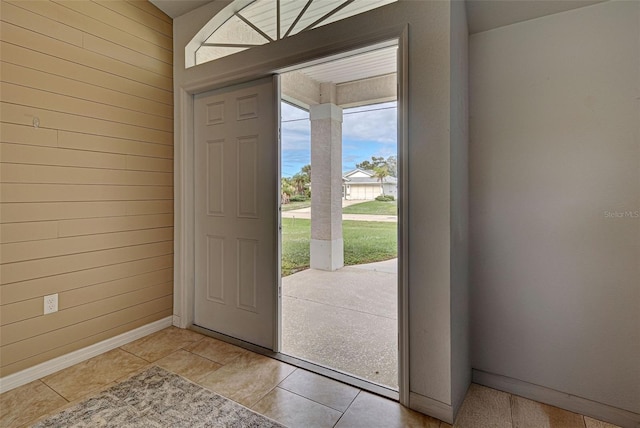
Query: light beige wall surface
x=86, y=196
x=459, y=107
x=555, y=153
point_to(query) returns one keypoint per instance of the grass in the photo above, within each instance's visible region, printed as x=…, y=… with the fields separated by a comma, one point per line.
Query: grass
x=296, y=205
x=372, y=207
x=364, y=242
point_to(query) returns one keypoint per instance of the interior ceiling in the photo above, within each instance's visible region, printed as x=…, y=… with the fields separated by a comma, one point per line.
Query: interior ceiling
x=482, y=15
x=176, y=8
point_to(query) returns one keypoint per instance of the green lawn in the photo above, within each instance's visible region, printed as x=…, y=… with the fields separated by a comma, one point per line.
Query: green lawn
x=372, y=207
x=296, y=205
x=364, y=242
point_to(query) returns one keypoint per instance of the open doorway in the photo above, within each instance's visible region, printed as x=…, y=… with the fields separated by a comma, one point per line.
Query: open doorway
x=339, y=248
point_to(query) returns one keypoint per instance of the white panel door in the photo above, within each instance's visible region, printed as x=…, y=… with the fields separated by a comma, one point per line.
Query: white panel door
x=236, y=196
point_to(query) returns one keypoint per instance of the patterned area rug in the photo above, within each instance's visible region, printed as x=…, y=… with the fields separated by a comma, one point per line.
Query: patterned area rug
x=157, y=398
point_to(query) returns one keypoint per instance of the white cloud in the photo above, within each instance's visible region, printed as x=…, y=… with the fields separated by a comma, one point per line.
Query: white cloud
x=379, y=125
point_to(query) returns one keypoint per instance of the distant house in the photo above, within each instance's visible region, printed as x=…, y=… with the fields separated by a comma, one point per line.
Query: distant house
x=361, y=184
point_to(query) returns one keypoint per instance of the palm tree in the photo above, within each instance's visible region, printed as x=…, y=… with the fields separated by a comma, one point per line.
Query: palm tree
x=381, y=172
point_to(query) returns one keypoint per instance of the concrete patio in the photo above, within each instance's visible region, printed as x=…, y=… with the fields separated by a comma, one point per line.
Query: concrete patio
x=345, y=320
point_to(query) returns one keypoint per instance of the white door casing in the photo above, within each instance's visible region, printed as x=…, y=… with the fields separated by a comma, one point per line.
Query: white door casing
x=236, y=195
x=207, y=76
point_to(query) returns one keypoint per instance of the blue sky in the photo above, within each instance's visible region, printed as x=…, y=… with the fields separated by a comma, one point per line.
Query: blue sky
x=366, y=131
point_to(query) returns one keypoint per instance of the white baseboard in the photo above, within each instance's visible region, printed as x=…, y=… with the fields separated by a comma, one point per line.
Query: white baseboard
x=603, y=412
x=36, y=372
x=431, y=407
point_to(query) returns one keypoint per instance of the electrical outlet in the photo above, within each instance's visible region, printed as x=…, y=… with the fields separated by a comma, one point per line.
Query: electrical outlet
x=51, y=303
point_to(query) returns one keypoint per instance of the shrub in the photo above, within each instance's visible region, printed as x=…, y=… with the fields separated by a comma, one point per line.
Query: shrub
x=299, y=198
x=385, y=198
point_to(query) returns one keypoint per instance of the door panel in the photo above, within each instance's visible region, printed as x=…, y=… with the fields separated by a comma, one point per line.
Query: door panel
x=236, y=196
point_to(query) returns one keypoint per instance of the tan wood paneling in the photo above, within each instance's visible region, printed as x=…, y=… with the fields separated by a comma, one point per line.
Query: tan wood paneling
x=81, y=343
x=29, y=289
x=27, y=212
x=126, y=55
x=16, y=173
x=47, y=248
x=32, y=269
x=22, y=37
x=86, y=174
x=40, y=24
x=149, y=207
x=90, y=226
x=61, y=67
x=18, y=232
x=138, y=15
x=23, y=115
x=13, y=332
x=44, y=81
x=97, y=28
x=22, y=95
x=64, y=336
x=97, y=143
x=117, y=20
x=139, y=163
x=10, y=133
x=33, y=155
x=32, y=308
x=77, y=192
x=21, y=311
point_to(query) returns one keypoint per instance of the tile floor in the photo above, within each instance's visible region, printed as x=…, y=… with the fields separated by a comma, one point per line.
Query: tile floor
x=292, y=396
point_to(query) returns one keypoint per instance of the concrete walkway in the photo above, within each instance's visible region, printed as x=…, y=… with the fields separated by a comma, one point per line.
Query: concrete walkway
x=346, y=320
x=306, y=213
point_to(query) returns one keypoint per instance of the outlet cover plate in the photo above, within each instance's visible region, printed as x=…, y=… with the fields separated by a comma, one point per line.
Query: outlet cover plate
x=51, y=303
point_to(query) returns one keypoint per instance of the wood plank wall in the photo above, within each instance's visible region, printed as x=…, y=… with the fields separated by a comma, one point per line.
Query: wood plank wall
x=86, y=195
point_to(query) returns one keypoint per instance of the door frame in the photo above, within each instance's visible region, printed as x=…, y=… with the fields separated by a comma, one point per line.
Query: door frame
x=184, y=209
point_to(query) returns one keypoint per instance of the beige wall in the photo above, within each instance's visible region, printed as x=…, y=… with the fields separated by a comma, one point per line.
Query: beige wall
x=86, y=197
x=459, y=228
x=555, y=145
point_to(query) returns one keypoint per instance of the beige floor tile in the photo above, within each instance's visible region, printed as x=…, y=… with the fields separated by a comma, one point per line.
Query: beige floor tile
x=162, y=343
x=484, y=407
x=527, y=413
x=70, y=404
x=188, y=365
x=594, y=423
x=87, y=377
x=320, y=389
x=295, y=411
x=216, y=350
x=370, y=411
x=248, y=378
x=27, y=403
x=130, y=374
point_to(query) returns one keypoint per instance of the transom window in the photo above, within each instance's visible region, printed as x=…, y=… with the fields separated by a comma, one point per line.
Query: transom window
x=265, y=21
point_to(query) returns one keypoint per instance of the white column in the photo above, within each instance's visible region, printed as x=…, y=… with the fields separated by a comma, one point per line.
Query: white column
x=327, y=247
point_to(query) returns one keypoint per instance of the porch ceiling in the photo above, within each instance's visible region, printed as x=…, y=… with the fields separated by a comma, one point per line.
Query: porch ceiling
x=371, y=64
x=349, y=81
